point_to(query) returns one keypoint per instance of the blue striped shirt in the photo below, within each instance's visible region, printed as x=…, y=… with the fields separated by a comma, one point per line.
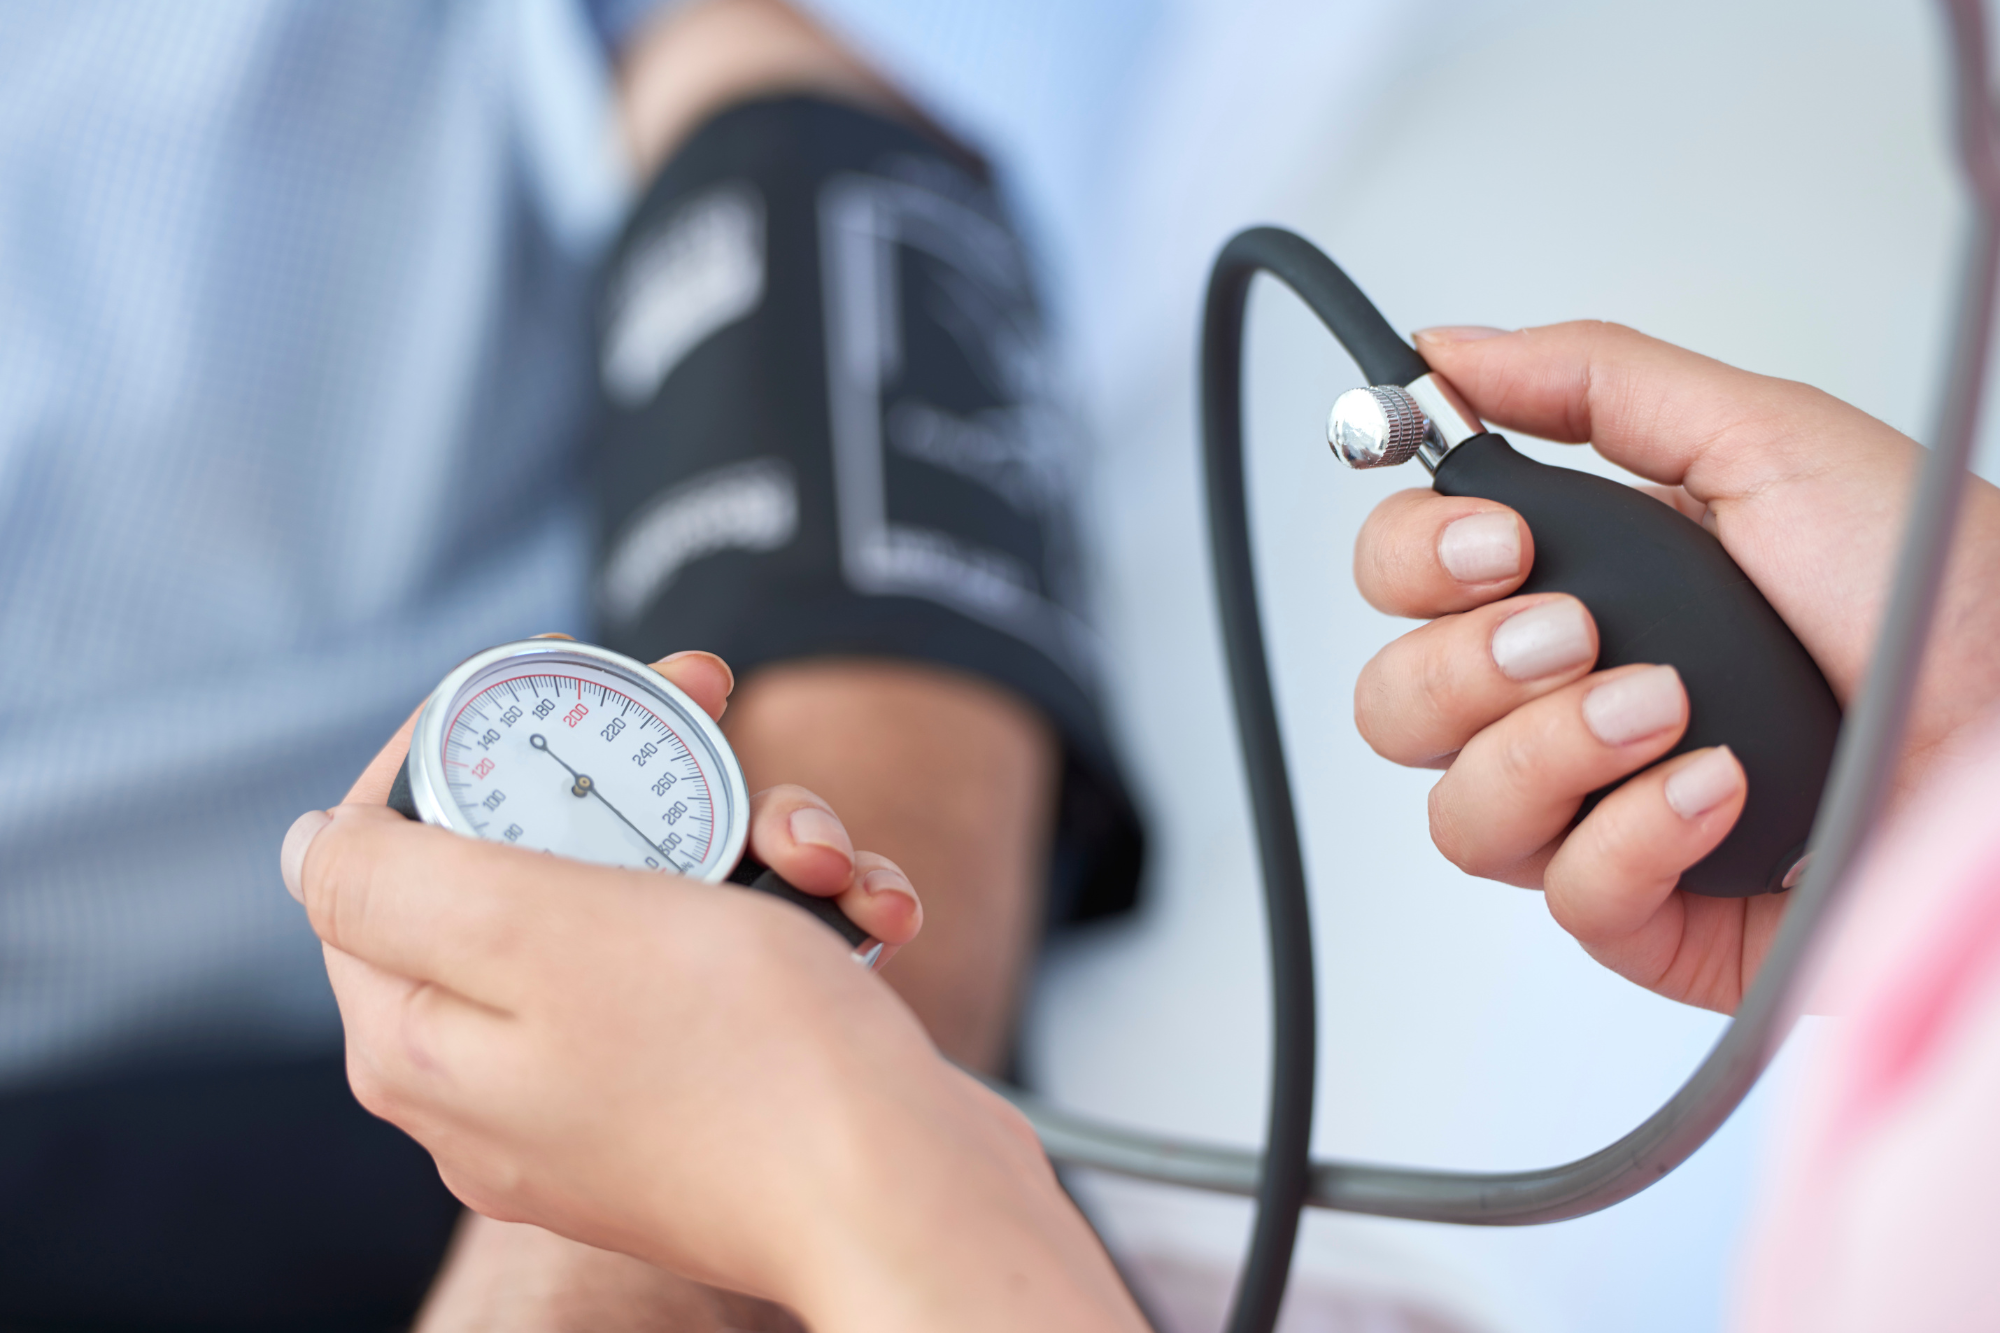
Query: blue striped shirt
x=290, y=372
x=292, y=375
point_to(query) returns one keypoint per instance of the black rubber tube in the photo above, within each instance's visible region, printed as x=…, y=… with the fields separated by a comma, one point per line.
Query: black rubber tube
x=1281, y=1192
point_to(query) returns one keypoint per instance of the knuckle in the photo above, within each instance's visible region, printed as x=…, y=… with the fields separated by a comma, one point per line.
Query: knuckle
x=1448, y=832
x=1471, y=843
x=320, y=876
x=1374, y=707
x=470, y=1191
x=1439, y=680
x=1517, y=760
x=1611, y=841
x=532, y=939
x=1410, y=701
x=368, y=1086
x=345, y=880
x=1607, y=876
x=1369, y=545
x=336, y=884
x=1565, y=903
x=1390, y=568
x=1021, y=1134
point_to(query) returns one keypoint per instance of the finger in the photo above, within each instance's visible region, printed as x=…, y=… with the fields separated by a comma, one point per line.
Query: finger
x=1647, y=405
x=1677, y=499
x=1422, y=554
x=1617, y=869
x=703, y=677
x=1516, y=785
x=797, y=834
x=427, y=904
x=372, y=787
x=1420, y=699
x=882, y=901
x=411, y=1044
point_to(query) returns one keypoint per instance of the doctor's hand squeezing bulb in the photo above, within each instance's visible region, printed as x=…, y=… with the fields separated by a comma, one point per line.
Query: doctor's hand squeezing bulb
x=1661, y=589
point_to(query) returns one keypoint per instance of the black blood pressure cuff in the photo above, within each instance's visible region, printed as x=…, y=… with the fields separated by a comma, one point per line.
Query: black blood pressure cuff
x=829, y=430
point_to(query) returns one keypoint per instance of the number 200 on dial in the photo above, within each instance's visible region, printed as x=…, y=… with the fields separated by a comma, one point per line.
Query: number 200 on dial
x=573, y=749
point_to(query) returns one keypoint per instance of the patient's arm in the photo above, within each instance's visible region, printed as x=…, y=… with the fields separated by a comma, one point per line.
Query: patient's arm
x=510, y=1275
x=952, y=779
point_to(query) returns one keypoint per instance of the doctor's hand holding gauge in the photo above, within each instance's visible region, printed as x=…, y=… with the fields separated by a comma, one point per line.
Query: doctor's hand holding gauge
x=672, y=1069
x=564, y=748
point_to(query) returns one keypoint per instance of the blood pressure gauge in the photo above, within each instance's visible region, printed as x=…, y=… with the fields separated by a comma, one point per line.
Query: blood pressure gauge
x=568, y=748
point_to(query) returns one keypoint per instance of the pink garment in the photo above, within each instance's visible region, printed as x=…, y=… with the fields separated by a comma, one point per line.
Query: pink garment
x=1884, y=1212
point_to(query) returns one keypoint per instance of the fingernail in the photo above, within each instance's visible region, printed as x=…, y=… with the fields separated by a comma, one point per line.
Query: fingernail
x=1458, y=333
x=814, y=827
x=887, y=881
x=1704, y=784
x=1645, y=702
x=292, y=855
x=1542, y=640
x=728, y=675
x=1481, y=547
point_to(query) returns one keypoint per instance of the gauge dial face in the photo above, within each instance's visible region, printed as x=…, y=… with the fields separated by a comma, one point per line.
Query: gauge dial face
x=580, y=752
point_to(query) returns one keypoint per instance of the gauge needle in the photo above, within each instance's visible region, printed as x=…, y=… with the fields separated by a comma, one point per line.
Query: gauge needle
x=583, y=786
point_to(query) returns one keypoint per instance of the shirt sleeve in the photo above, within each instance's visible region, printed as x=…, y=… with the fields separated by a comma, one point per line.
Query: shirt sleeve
x=614, y=21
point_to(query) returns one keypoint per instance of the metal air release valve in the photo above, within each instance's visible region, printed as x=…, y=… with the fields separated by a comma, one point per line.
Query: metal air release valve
x=1379, y=426
x=1385, y=425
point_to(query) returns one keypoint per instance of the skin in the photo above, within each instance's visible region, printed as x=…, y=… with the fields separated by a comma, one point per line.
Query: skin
x=821, y=1155
x=957, y=777
x=952, y=776
x=1806, y=493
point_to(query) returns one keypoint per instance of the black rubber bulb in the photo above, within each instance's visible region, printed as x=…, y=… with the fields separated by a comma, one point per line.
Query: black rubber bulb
x=1660, y=587
x=1663, y=590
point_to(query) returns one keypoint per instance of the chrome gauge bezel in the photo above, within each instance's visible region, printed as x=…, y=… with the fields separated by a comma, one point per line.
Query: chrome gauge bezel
x=431, y=795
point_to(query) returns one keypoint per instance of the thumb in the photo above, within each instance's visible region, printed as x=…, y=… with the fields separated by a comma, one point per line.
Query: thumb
x=1670, y=415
